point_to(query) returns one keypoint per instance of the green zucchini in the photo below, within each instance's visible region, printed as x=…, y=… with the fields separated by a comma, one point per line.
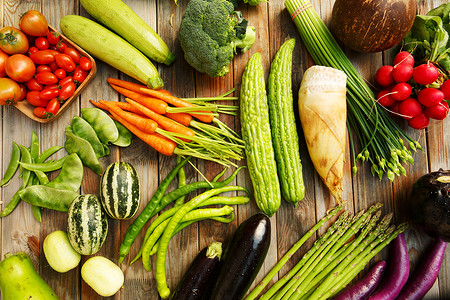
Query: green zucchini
x=283, y=125
x=110, y=48
x=256, y=133
x=121, y=19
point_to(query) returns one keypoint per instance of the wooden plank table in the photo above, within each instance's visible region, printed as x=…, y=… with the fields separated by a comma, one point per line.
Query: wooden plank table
x=21, y=232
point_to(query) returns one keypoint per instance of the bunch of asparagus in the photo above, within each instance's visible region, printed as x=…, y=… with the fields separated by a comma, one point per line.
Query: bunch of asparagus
x=335, y=258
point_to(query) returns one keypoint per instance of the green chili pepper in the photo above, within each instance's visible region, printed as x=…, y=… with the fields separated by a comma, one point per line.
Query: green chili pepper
x=78, y=145
x=70, y=176
x=103, y=125
x=45, y=167
x=48, y=197
x=84, y=130
x=12, y=166
x=47, y=153
x=125, y=136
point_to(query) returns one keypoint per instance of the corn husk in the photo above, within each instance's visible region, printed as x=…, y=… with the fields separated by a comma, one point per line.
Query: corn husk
x=323, y=114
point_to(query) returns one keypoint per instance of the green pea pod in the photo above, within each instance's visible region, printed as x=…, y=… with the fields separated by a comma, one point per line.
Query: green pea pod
x=75, y=144
x=34, y=146
x=103, y=125
x=124, y=139
x=48, y=197
x=47, y=153
x=12, y=166
x=84, y=130
x=44, y=167
x=70, y=176
x=26, y=158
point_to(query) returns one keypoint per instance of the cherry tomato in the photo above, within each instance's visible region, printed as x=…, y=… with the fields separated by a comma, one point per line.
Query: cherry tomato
x=53, y=37
x=33, y=85
x=20, y=68
x=32, y=50
x=53, y=106
x=61, y=46
x=53, y=66
x=67, y=91
x=3, y=58
x=9, y=91
x=55, y=86
x=85, y=63
x=42, y=57
x=42, y=43
x=41, y=112
x=79, y=75
x=48, y=94
x=46, y=78
x=43, y=68
x=34, y=99
x=73, y=54
x=33, y=23
x=23, y=91
x=60, y=73
x=65, y=81
x=13, y=41
x=53, y=52
x=65, y=62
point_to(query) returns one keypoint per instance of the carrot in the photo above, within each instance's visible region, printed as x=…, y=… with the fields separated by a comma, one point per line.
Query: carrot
x=99, y=105
x=182, y=118
x=162, y=121
x=145, y=124
x=154, y=104
x=175, y=101
x=156, y=141
x=135, y=87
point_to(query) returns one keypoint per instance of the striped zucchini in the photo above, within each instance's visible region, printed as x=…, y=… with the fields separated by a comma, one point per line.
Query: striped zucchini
x=121, y=19
x=255, y=129
x=87, y=224
x=110, y=48
x=119, y=190
x=283, y=125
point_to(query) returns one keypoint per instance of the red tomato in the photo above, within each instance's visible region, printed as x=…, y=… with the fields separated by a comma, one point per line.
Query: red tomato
x=42, y=43
x=79, y=75
x=61, y=46
x=46, y=78
x=9, y=91
x=67, y=91
x=3, y=58
x=60, y=73
x=85, y=63
x=43, y=68
x=65, y=81
x=33, y=23
x=32, y=50
x=53, y=37
x=13, y=41
x=53, y=87
x=34, y=99
x=33, y=85
x=23, y=91
x=41, y=112
x=73, y=54
x=48, y=94
x=65, y=62
x=53, y=66
x=53, y=106
x=53, y=52
x=42, y=57
x=20, y=68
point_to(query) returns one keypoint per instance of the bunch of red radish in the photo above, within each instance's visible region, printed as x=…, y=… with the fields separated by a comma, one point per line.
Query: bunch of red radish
x=413, y=93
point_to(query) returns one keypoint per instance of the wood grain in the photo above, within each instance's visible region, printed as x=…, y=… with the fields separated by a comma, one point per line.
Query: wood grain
x=21, y=232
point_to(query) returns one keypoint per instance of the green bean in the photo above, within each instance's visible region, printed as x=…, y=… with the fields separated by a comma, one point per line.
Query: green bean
x=26, y=159
x=48, y=197
x=41, y=177
x=125, y=136
x=181, y=182
x=47, y=153
x=102, y=124
x=84, y=130
x=44, y=167
x=194, y=216
x=12, y=166
x=160, y=272
x=37, y=213
x=34, y=146
x=70, y=176
x=148, y=212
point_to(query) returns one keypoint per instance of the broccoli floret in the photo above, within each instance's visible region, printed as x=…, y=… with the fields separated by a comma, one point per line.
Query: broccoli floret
x=210, y=32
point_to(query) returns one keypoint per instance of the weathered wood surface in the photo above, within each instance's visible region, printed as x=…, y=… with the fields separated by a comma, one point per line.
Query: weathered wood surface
x=20, y=231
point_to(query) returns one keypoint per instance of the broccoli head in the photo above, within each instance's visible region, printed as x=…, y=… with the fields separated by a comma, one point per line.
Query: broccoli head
x=210, y=32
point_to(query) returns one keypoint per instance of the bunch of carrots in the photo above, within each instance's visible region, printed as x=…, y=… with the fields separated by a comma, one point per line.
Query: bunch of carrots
x=171, y=125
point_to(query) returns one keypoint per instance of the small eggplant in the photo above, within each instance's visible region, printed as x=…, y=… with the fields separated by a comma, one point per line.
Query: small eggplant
x=426, y=274
x=201, y=274
x=363, y=288
x=243, y=258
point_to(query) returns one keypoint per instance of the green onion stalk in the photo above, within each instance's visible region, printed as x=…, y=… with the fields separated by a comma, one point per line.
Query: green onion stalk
x=381, y=139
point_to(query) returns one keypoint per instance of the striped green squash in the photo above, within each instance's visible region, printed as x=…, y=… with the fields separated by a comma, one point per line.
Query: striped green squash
x=87, y=224
x=119, y=190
